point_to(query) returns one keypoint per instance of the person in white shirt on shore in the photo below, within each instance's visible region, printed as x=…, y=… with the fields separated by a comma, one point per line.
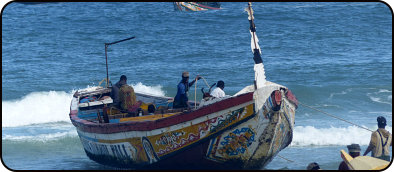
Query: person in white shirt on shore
x=218, y=91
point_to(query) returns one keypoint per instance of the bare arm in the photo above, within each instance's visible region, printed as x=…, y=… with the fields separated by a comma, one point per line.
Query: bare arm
x=194, y=80
x=370, y=147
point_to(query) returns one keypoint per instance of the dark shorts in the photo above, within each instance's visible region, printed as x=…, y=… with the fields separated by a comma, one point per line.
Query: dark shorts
x=177, y=104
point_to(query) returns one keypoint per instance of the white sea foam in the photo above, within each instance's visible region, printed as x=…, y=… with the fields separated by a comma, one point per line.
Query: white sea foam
x=50, y=106
x=379, y=100
x=381, y=96
x=152, y=90
x=341, y=93
x=36, y=107
x=384, y=91
x=311, y=136
x=387, y=115
x=41, y=137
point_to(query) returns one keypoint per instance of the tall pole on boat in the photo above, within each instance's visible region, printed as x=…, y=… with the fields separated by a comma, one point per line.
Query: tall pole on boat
x=258, y=61
x=252, y=26
x=106, y=63
x=106, y=57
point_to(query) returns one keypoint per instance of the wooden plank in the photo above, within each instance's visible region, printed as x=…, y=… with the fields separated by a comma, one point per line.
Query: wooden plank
x=95, y=103
x=363, y=162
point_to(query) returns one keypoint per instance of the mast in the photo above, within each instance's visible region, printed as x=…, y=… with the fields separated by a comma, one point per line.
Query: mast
x=106, y=57
x=258, y=66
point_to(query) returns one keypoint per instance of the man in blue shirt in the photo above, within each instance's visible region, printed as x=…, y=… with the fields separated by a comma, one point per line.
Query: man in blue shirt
x=181, y=99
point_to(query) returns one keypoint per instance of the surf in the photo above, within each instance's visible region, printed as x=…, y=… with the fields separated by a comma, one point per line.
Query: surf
x=51, y=106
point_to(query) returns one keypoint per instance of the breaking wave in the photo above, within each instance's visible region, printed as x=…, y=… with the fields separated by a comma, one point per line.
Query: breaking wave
x=311, y=136
x=50, y=106
x=36, y=107
x=41, y=137
x=152, y=90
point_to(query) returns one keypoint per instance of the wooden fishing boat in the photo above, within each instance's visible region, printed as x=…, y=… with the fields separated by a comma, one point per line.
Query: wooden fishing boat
x=196, y=6
x=364, y=162
x=245, y=130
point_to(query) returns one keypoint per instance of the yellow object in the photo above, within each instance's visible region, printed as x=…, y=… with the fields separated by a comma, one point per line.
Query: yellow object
x=144, y=106
x=105, y=79
x=147, y=117
x=127, y=97
x=363, y=162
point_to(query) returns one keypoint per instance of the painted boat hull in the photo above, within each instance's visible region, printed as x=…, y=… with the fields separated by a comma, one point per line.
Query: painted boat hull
x=196, y=6
x=229, y=133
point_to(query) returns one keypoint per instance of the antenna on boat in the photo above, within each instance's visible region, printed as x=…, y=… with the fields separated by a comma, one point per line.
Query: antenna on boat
x=106, y=57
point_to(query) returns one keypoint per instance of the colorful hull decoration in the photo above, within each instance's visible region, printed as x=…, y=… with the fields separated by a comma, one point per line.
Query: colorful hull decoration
x=245, y=130
x=227, y=131
x=196, y=6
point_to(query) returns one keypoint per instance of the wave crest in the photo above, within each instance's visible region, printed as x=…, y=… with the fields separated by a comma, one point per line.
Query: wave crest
x=311, y=136
x=50, y=106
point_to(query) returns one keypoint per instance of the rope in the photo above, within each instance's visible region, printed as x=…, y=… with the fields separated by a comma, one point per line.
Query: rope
x=290, y=160
x=195, y=91
x=285, y=158
x=328, y=115
x=195, y=94
x=105, y=79
x=334, y=116
x=205, y=81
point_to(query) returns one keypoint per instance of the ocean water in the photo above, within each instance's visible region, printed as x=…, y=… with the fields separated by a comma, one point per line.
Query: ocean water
x=334, y=56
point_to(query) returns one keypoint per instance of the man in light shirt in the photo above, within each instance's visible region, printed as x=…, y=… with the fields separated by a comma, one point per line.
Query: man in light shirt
x=218, y=91
x=380, y=141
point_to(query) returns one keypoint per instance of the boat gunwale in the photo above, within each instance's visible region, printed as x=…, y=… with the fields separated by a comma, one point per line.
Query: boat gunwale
x=108, y=128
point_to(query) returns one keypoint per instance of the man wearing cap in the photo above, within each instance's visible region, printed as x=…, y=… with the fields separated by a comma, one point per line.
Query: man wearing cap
x=380, y=141
x=354, y=151
x=181, y=99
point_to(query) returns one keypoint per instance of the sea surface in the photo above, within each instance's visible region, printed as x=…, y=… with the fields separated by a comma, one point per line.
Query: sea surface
x=334, y=56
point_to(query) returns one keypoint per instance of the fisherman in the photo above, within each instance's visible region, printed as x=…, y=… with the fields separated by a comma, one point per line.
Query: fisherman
x=123, y=96
x=313, y=166
x=218, y=91
x=354, y=151
x=115, y=90
x=380, y=141
x=181, y=99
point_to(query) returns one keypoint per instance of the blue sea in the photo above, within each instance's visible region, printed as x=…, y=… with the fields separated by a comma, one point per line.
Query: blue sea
x=334, y=56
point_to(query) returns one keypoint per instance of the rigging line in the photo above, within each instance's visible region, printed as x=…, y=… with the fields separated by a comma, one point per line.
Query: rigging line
x=285, y=158
x=195, y=94
x=195, y=91
x=290, y=160
x=334, y=116
x=205, y=82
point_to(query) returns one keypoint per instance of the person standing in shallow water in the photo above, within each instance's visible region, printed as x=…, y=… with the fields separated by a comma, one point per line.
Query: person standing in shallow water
x=354, y=151
x=380, y=141
x=181, y=99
